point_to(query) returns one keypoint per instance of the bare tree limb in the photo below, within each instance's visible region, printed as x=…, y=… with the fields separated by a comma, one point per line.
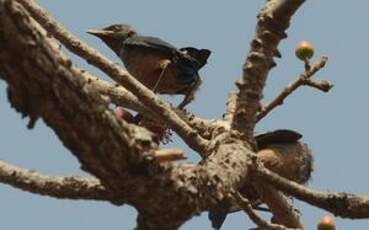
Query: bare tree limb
x=55, y=186
x=282, y=210
x=324, y=86
x=258, y=220
x=303, y=79
x=162, y=109
x=342, y=204
x=46, y=84
x=122, y=97
x=42, y=82
x=273, y=20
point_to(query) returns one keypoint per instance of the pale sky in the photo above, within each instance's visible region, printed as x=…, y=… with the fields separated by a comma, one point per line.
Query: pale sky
x=334, y=125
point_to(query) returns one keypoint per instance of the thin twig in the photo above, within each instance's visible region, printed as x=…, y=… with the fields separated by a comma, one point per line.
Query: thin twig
x=258, y=220
x=303, y=79
x=146, y=96
x=324, y=86
x=167, y=155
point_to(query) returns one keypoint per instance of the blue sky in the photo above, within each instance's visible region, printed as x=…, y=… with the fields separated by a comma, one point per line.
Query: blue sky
x=334, y=125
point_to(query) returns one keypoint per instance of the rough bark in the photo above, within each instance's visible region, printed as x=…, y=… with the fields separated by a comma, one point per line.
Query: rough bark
x=273, y=21
x=342, y=204
x=72, y=187
x=44, y=83
x=147, y=97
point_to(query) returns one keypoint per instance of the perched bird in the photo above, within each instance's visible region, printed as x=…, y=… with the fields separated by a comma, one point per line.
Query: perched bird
x=157, y=64
x=282, y=153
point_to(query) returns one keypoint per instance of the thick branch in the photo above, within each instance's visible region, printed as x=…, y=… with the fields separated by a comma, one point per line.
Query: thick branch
x=303, y=79
x=342, y=204
x=42, y=82
x=272, y=23
x=54, y=186
x=148, y=98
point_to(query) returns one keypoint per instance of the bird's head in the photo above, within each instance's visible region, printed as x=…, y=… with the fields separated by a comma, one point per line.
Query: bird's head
x=114, y=35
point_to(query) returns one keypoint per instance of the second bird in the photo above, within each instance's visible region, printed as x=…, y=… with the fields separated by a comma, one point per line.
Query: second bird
x=155, y=63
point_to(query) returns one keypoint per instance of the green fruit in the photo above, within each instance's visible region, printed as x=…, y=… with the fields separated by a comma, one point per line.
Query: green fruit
x=326, y=223
x=304, y=51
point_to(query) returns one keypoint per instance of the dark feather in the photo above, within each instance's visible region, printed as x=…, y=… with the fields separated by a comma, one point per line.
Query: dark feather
x=151, y=42
x=187, y=73
x=279, y=136
x=200, y=55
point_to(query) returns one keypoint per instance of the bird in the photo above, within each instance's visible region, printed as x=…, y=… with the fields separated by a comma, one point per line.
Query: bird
x=157, y=64
x=281, y=152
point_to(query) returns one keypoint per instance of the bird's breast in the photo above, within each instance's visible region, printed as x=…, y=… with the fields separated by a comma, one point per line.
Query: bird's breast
x=146, y=66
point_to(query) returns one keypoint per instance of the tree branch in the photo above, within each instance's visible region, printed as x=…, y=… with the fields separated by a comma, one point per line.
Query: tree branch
x=119, y=95
x=282, y=210
x=166, y=155
x=258, y=220
x=147, y=97
x=342, y=204
x=324, y=86
x=42, y=82
x=303, y=79
x=54, y=186
x=273, y=20
x=122, y=97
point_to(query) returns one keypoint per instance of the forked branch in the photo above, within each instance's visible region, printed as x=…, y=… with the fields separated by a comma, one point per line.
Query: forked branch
x=272, y=23
x=303, y=79
x=258, y=220
x=147, y=97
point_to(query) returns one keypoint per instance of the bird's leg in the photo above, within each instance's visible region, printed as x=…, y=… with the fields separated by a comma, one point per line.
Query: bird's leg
x=163, y=68
x=190, y=95
x=187, y=99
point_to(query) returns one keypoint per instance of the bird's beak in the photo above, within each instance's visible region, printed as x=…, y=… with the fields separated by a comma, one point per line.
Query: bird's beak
x=101, y=33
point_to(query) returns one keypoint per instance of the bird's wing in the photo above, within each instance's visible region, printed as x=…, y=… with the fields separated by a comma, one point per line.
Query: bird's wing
x=200, y=55
x=277, y=137
x=152, y=43
x=186, y=65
